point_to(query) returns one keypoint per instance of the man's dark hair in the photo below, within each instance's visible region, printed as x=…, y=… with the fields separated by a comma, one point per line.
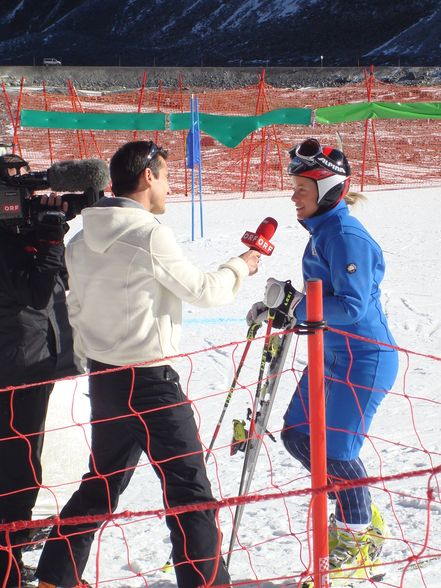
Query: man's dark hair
x=130, y=161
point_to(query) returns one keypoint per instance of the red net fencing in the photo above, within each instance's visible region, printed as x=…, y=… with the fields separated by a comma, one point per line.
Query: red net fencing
x=384, y=153
x=274, y=542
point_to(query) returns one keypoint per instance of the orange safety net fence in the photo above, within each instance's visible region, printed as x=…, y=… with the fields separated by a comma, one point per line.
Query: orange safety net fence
x=383, y=153
x=274, y=542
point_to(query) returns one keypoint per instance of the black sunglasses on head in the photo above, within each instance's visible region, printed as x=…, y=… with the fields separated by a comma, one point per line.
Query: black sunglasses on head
x=153, y=151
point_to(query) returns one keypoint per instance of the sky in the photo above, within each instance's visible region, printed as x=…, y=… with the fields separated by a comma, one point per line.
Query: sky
x=405, y=436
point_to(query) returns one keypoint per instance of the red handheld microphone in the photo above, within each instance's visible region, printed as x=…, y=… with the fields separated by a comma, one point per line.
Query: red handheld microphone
x=260, y=240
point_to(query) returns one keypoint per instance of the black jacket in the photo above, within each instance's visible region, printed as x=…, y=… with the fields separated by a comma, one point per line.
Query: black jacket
x=35, y=335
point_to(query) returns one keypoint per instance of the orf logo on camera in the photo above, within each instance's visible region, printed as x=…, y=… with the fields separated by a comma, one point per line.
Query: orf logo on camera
x=10, y=203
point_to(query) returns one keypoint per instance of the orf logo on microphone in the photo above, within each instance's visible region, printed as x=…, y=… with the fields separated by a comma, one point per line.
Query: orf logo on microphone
x=257, y=242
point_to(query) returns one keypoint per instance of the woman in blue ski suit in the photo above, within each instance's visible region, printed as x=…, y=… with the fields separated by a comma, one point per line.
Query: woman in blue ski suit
x=358, y=373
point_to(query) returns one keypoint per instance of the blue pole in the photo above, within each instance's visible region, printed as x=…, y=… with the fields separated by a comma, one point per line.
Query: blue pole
x=192, y=167
x=200, y=169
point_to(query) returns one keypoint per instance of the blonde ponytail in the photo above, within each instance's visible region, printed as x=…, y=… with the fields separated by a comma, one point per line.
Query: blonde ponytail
x=352, y=198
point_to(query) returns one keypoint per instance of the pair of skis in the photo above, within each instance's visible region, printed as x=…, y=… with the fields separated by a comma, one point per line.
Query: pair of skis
x=274, y=354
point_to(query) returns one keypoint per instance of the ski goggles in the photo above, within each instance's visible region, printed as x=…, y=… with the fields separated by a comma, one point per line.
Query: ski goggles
x=310, y=154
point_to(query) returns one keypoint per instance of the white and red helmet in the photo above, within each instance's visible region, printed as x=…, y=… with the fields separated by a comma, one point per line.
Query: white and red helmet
x=328, y=167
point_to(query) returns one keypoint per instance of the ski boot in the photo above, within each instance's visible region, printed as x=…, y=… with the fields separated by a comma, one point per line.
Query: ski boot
x=352, y=555
x=355, y=554
x=378, y=532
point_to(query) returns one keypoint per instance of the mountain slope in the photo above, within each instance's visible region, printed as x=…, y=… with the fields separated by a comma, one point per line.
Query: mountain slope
x=282, y=32
x=422, y=37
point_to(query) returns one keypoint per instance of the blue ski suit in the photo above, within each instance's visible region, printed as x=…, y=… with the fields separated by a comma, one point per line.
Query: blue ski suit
x=358, y=373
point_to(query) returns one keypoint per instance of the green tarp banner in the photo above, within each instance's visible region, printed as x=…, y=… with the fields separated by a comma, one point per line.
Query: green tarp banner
x=229, y=130
x=102, y=121
x=232, y=130
x=384, y=110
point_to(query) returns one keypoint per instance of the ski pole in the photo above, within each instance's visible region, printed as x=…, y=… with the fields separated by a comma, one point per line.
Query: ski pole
x=253, y=446
x=263, y=361
x=251, y=334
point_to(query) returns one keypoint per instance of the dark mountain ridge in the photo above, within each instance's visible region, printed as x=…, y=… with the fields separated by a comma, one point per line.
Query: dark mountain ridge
x=217, y=33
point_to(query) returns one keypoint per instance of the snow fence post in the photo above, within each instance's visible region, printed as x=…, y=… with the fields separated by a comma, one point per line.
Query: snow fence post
x=316, y=375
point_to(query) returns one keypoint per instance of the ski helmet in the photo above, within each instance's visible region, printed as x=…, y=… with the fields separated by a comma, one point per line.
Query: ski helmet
x=328, y=167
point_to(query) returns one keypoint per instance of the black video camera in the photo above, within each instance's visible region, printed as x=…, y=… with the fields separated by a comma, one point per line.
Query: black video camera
x=17, y=203
x=20, y=206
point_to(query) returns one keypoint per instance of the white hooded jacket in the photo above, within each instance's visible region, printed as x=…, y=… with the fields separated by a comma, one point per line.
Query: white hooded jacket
x=128, y=278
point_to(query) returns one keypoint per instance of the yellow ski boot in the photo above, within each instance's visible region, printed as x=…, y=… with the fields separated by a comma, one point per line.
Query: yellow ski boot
x=355, y=554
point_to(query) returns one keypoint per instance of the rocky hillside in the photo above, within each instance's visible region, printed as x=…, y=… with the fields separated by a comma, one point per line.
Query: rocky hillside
x=194, y=78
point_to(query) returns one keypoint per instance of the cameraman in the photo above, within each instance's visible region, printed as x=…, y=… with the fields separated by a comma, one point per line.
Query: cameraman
x=35, y=346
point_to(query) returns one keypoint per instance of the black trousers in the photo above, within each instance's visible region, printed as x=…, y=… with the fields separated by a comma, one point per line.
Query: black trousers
x=22, y=419
x=158, y=420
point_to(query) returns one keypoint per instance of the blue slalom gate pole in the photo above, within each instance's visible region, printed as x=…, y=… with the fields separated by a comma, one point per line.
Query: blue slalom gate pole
x=193, y=159
x=193, y=164
x=201, y=216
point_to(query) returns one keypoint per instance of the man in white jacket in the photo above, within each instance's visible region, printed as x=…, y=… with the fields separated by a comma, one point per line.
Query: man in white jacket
x=128, y=278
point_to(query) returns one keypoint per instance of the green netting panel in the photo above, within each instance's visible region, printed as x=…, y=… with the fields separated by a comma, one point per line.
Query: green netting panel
x=232, y=130
x=104, y=121
x=381, y=110
x=228, y=130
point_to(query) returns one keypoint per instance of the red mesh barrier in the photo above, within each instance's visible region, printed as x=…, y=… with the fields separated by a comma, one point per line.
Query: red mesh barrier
x=385, y=153
x=274, y=540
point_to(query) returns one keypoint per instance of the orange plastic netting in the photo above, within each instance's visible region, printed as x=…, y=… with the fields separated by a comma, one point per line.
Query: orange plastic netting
x=383, y=153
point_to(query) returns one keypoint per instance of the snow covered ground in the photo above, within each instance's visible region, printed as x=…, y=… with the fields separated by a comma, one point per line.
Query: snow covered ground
x=405, y=435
